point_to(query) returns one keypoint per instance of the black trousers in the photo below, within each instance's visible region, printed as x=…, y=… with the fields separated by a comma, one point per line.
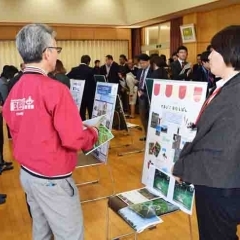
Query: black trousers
x=144, y=112
x=218, y=213
x=86, y=105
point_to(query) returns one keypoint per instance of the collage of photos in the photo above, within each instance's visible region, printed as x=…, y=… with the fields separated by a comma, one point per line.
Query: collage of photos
x=181, y=195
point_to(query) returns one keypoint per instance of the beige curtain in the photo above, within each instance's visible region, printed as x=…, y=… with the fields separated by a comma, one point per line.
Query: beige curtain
x=71, y=53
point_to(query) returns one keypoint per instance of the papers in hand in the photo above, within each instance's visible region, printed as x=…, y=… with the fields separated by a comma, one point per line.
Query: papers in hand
x=186, y=68
x=94, y=121
x=104, y=134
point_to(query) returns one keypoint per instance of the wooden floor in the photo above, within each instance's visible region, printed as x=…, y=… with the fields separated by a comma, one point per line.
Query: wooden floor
x=15, y=223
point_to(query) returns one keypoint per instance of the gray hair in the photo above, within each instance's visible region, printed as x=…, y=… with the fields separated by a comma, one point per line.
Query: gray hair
x=32, y=40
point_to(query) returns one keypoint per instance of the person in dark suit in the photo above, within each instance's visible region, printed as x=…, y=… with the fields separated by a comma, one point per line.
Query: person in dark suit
x=84, y=72
x=133, y=69
x=143, y=98
x=211, y=160
x=96, y=69
x=177, y=66
x=204, y=73
x=159, y=72
x=110, y=70
x=123, y=63
x=196, y=67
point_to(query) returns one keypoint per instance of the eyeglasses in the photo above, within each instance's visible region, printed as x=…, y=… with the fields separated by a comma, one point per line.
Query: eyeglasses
x=59, y=49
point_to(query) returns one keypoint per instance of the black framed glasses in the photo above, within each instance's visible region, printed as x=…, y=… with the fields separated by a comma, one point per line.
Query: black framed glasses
x=59, y=49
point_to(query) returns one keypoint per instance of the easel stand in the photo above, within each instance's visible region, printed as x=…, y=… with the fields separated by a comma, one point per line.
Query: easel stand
x=108, y=230
x=90, y=161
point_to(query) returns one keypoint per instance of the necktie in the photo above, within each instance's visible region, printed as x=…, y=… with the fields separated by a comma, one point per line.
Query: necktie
x=208, y=100
x=141, y=83
x=183, y=64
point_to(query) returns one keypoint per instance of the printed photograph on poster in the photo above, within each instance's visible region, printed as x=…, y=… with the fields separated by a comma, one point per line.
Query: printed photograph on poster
x=154, y=120
x=176, y=141
x=184, y=195
x=154, y=148
x=161, y=182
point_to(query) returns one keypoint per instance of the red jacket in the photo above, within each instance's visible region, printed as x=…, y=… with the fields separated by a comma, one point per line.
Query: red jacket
x=45, y=125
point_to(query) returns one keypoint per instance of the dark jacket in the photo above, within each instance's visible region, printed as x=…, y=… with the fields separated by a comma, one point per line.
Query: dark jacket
x=14, y=80
x=176, y=68
x=63, y=79
x=212, y=158
x=113, y=73
x=84, y=72
x=160, y=73
x=202, y=75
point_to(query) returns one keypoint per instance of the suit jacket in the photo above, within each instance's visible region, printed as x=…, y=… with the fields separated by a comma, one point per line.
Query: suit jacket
x=212, y=158
x=84, y=72
x=176, y=68
x=160, y=73
x=201, y=75
x=113, y=73
x=149, y=74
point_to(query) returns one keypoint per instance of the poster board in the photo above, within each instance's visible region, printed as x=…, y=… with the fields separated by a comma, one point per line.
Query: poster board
x=76, y=89
x=100, y=78
x=174, y=105
x=104, y=103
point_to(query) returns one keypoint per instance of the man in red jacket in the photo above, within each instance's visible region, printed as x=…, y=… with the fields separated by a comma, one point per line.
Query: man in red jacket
x=47, y=132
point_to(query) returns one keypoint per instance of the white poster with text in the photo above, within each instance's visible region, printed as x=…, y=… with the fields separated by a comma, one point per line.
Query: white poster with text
x=174, y=106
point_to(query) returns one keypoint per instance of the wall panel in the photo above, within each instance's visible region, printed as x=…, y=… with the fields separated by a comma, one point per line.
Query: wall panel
x=71, y=53
x=74, y=32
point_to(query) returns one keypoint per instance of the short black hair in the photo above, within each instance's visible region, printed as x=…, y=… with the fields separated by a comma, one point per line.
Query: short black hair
x=143, y=57
x=226, y=42
x=110, y=57
x=163, y=57
x=182, y=48
x=199, y=55
x=85, y=59
x=174, y=54
x=123, y=56
x=96, y=61
x=209, y=47
x=204, y=56
x=159, y=61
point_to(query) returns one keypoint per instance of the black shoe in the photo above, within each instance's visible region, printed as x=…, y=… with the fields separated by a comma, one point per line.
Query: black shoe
x=7, y=163
x=5, y=168
x=142, y=139
x=2, y=200
x=3, y=195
